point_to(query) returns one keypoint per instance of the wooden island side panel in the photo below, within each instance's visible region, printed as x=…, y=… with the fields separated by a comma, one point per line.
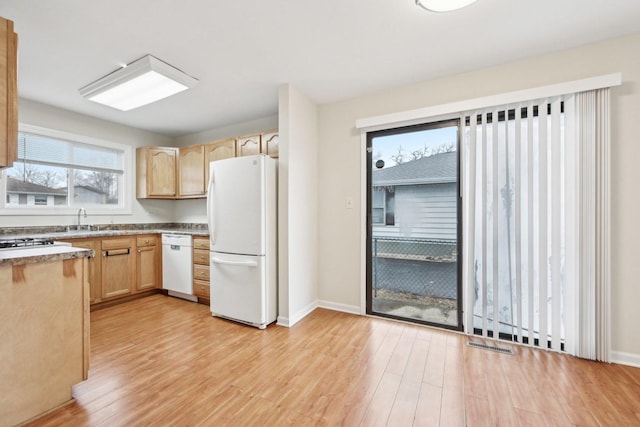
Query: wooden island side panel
x=44, y=322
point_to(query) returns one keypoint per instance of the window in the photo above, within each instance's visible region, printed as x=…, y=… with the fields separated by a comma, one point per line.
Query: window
x=40, y=200
x=58, y=171
x=383, y=206
x=377, y=208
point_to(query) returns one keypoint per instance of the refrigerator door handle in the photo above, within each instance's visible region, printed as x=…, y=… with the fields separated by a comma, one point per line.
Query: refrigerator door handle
x=211, y=207
x=237, y=263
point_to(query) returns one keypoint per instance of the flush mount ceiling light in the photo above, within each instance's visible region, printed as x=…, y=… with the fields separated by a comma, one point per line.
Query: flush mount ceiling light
x=443, y=5
x=139, y=83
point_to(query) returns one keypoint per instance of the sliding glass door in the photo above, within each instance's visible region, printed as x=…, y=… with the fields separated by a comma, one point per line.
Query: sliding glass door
x=413, y=222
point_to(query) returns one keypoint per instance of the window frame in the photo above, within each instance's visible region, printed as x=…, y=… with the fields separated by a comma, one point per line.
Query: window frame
x=383, y=207
x=388, y=207
x=123, y=208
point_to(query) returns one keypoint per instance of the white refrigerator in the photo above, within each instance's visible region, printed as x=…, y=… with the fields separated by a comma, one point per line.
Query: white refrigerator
x=242, y=216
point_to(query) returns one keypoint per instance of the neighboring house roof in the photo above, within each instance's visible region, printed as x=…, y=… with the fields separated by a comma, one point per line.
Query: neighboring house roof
x=86, y=187
x=23, y=187
x=438, y=168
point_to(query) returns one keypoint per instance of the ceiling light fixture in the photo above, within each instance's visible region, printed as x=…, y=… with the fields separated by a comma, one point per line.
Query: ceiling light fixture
x=443, y=5
x=141, y=82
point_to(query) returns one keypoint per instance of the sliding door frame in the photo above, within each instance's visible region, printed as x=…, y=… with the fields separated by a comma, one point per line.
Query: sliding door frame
x=368, y=156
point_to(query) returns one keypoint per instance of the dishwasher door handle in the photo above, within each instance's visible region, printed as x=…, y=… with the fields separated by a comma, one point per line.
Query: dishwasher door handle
x=237, y=263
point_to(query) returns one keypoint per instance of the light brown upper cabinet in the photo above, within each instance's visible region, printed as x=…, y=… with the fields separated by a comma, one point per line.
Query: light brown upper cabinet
x=218, y=150
x=8, y=93
x=264, y=142
x=191, y=173
x=269, y=141
x=156, y=167
x=249, y=145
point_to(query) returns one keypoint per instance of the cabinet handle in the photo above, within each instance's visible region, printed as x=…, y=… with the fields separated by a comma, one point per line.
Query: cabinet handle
x=116, y=252
x=147, y=241
x=139, y=251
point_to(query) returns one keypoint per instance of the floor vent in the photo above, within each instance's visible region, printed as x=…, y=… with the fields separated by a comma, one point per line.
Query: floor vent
x=490, y=347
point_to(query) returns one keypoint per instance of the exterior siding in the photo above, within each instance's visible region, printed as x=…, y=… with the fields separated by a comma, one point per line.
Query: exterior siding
x=423, y=211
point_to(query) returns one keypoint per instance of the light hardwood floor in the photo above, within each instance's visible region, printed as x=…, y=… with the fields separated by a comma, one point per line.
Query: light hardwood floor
x=160, y=361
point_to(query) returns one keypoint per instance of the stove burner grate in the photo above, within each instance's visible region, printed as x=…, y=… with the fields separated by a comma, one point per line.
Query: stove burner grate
x=24, y=242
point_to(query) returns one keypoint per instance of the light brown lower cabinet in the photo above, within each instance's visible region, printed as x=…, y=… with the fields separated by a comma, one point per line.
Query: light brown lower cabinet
x=147, y=263
x=118, y=267
x=95, y=268
x=122, y=266
x=201, y=277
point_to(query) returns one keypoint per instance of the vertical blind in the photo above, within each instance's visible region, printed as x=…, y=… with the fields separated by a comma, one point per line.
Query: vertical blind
x=593, y=228
x=537, y=223
x=516, y=171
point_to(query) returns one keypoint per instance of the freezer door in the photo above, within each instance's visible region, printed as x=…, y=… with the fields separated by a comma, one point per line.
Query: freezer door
x=236, y=205
x=238, y=288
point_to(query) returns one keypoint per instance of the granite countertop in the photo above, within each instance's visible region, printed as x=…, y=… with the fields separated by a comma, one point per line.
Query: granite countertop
x=102, y=230
x=36, y=254
x=81, y=234
x=54, y=253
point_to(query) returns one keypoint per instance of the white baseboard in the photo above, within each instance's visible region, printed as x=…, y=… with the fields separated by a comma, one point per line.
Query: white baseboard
x=353, y=309
x=304, y=312
x=628, y=359
x=283, y=321
x=301, y=314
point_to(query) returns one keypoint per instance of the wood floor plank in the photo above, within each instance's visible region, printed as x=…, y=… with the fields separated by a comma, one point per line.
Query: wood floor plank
x=428, y=406
x=477, y=412
x=380, y=407
x=164, y=361
x=434, y=371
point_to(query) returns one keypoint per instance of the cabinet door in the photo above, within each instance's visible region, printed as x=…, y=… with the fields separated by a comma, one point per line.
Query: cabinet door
x=270, y=144
x=147, y=268
x=249, y=145
x=217, y=151
x=95, y=268
x=191, y=171
x=9, y=92
x=118, y=267
x=162, y=172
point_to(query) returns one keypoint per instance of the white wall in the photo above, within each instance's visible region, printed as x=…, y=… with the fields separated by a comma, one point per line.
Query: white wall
x=42, y=115
x=298, y=206
x=340, y=173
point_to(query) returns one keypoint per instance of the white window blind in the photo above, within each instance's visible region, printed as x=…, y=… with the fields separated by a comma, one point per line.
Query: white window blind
x=45, y=150
x=516, y=212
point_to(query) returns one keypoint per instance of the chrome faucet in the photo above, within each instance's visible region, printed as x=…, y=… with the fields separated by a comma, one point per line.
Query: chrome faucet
x=80, y=211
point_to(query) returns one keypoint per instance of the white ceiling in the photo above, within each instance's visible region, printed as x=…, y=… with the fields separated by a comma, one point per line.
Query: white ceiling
x=241, y=51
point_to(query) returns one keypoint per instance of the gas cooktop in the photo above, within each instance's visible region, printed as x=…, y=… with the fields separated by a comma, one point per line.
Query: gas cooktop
x=24, y=242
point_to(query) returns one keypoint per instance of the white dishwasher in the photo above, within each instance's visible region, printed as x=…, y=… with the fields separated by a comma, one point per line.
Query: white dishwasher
x=177, y=265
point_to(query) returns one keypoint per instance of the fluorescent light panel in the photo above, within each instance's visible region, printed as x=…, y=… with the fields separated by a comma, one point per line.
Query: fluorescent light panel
x=443, y=5
x=142, y=82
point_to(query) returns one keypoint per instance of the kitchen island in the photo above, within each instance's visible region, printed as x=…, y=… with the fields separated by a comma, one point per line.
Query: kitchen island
x=44, y=324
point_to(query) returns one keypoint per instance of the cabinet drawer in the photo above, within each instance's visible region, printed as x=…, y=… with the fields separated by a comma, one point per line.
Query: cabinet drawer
x=201, y=243
x=201, y=272
x=200, y=256
x=150, y=240
x=201, y=289
x=117, y=244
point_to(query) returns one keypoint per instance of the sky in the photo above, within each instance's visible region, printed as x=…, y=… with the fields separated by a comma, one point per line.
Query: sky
x=386, y=146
